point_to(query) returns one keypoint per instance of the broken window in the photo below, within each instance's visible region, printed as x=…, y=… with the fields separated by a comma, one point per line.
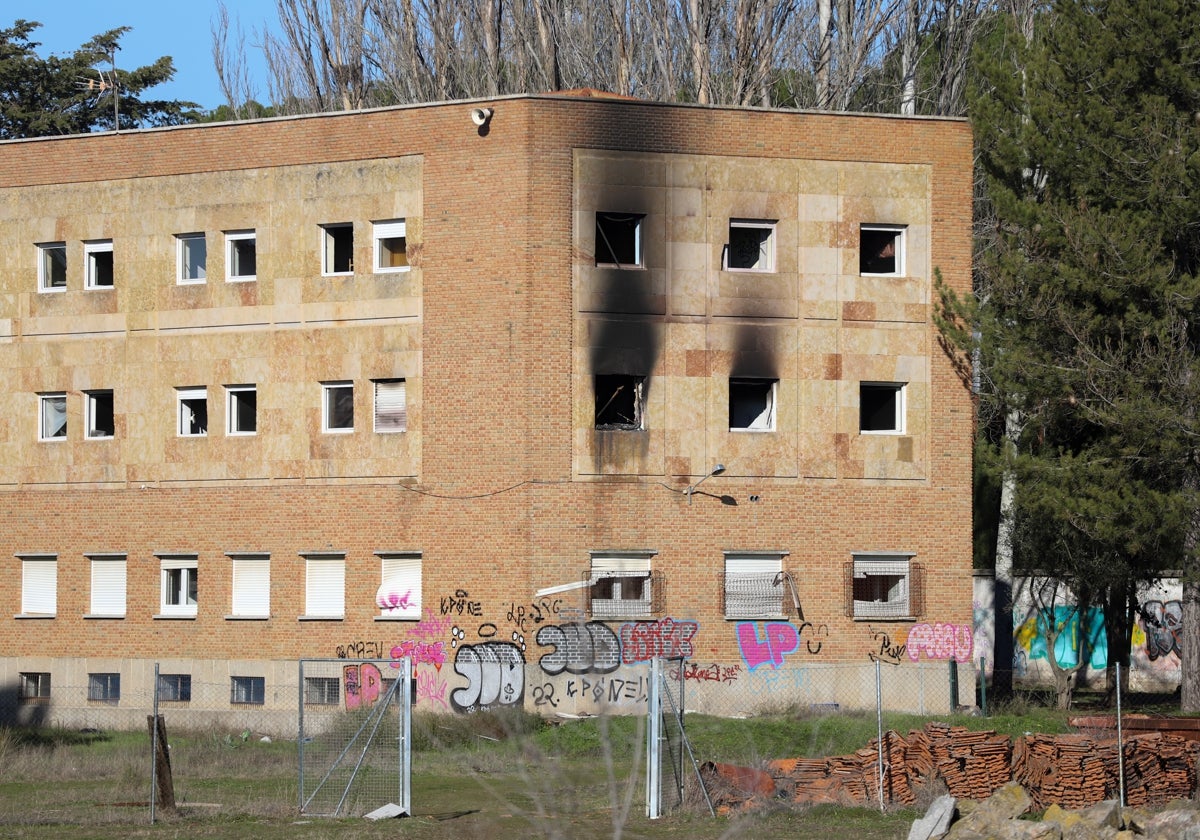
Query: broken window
x=241, y=255
x=884, y=586
x=52, y=416
x=754, y=585
x=98, y=414
x=193, y=411
x=881, y=249
x=337, y=249
x=52, y=267
x=752, y=405
x=881, y=407
x=620, y=401
x=98, y=259
x=619, y=239
x=391, y=246
x=620, y=586
x=751, y=245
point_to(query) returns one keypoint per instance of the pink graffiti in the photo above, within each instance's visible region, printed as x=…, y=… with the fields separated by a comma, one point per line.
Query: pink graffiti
x=421, y=653
x=432, y=626
x=393, y=601
x=941, y=641
x=431, y=687
x=642, y=641
x=363, y=683
x=710, y=673
x=781, y=639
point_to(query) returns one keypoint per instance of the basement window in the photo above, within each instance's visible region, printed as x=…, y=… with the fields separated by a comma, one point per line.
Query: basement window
x=337, y=249
x=98, y=414
x=620, y=402
x=881, y=408
x=247, y=691
x=193, y=411
x=752, y=405
x=751, y=245
x=35, y=687
x=52, y=267
x=881, y=250
x=391, y=246
x=98, y=261
x=619, y=240
x=104, y=688
x=175, y=688
x=321, y=691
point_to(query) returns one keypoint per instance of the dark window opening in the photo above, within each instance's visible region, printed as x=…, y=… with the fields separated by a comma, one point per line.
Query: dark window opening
x=100, y=414
x=100, y=269
x=339, y=249
x=619, y=239
x=879, y=250
x=619, y=401
x=752, y=404
x=750, y=246
x=880, y=407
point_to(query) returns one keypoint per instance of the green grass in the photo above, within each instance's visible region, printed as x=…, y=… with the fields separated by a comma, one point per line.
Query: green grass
x=484, y=775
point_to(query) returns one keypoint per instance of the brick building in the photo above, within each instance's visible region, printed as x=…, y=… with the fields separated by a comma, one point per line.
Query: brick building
x=530, y=393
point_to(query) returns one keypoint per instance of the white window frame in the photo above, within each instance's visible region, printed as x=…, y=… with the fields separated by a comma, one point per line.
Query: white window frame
x=390, y=410
x=399, y=593
x=91, y=402
x=250, y=586
x=235, y=400
x=330, y=391
x=184, y=245
x=765, y=262
x=109, y=574
x=900, y=406
x=185, y=415
x=175, y=590
x=92, y=262
x=630, y=579
x=48, y=412
x=331, y=239
x=324, y=586
x=765, y=420
x=104, y=687
x=47, y=275
x=639, y=256
x=753, y=585
x=899, y=234
x=233, y=238
x=898, y=602
x=39, y=585
x=383, y=232
x=247, y=691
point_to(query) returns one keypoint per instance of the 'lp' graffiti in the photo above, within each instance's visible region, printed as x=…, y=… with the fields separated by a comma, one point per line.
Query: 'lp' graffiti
x=780, y=638
x=363, y=683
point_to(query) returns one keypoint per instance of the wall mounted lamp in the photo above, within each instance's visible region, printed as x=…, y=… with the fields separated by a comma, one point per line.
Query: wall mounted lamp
x=691, y=491
x=481, y=116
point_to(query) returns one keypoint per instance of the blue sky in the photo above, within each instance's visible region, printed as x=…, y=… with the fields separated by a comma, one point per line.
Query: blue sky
x=182, y=30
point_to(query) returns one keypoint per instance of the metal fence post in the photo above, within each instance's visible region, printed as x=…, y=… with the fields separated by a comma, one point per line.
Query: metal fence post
x=653, y=746
x=300, y=739
x=983, y=685
x=154, y=750
x=879, y=726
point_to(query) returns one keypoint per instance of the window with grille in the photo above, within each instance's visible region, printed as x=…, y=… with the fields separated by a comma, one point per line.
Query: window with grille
x=35, y=686
x=884, y=586
x=247, y=690
x=621, y=586
x=175, y=688
x=753, y=585
x=104, y=688
x=322, y=691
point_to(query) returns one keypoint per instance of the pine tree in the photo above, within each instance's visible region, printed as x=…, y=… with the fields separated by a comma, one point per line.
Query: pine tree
x=48, y=96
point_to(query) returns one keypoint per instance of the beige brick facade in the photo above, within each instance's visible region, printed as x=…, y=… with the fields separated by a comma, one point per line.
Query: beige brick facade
x=502, y=328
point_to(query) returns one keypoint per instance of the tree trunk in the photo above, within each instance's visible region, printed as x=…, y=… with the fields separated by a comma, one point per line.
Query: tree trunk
x=1189, y=646
x=1002, y=652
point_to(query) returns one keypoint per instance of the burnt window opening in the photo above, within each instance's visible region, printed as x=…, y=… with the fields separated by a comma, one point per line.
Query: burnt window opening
x=752, y=405
x=622, y=587
x=620, y=401
x=751, y=245
x=884, y=586
x=619, y=239
x=881, y=249
x=881, y=407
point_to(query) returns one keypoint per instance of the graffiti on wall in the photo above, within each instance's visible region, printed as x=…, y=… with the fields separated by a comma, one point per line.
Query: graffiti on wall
x=495, y=675
x=763, y=642
x=590, y=648
x=713, y=672
x=941, y=641
x=362, y=684
x=1162, y=624
x=885, y=650
x=1031, y=638
x=642, y=641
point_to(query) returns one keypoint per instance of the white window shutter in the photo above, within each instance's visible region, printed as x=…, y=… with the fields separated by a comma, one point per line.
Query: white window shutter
x=399, y=593
x=252, y=586
x=39, y=586
x=108, y=586
x=325, y=587
x=391, y=405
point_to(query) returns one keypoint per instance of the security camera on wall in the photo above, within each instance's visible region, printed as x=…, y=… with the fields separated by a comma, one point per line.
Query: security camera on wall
x=480, y=116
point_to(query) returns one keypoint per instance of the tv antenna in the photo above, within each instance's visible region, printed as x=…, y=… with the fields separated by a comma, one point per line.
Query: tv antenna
x=106, y=83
